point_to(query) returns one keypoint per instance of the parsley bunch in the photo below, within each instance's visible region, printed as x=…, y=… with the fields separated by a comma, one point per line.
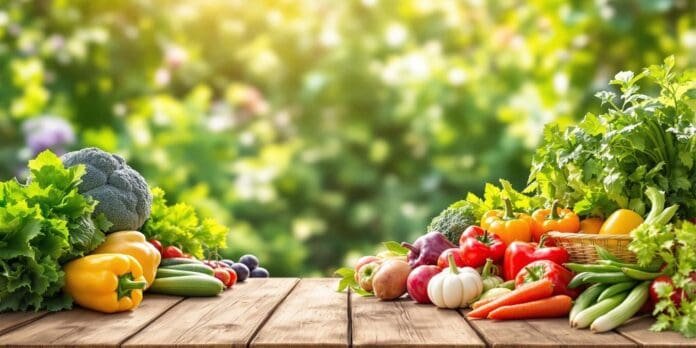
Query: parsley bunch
x=607, y=161
x=180, y=225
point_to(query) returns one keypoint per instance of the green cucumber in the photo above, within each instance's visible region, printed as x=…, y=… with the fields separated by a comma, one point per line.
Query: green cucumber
x=587, y=316
x=616, y=289
x=203, y=269
x=586, y=299
x=168, y=273
x=178, y=261
x=628, y=308
x=189, y=285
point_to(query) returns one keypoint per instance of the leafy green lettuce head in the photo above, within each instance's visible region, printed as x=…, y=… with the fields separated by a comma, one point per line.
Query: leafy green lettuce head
x=43, y=224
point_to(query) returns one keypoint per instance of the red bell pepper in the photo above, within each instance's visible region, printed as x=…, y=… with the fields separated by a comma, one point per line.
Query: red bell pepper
x=478, y=245
x=558, y=275
x=520, y=254
x=443, y=260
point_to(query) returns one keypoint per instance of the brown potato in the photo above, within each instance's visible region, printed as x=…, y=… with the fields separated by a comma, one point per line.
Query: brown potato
x=390, y=281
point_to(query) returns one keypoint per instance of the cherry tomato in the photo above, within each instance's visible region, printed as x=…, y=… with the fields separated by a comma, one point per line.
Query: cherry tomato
x=233, y=276
x=157, y=244
x=223, y=275
x=172, y=252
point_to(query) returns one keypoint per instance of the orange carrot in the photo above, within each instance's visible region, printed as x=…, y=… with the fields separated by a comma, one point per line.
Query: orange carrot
x=552, y=307
x=528, y=292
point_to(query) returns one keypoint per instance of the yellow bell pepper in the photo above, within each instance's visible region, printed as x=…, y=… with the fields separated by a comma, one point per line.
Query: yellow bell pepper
x=133, y=243
x=106, y=283
x=622, y=221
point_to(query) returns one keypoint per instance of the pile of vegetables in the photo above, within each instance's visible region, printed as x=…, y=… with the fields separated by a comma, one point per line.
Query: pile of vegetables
x=628, y=171
x=70, y=234
x=44, y=224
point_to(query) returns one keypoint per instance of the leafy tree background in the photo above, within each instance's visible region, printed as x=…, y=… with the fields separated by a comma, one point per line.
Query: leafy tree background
x=317, y=128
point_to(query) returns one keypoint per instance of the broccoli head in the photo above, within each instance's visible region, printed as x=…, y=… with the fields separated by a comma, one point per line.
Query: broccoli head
x=454, y=220
x=123, y=195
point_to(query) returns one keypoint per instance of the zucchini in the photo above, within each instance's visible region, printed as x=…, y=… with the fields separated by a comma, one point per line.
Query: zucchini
x=178, y=261
x=168, y=273
x=616, y=289
x=203, y=269
x=629, y=307
x=586, y=299
x=189, y=285
x=587, y=316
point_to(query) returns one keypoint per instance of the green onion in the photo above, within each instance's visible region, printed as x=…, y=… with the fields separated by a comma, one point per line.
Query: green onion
x=629, y=307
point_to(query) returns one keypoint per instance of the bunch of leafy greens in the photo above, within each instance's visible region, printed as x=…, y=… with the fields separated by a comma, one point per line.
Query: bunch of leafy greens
x=43, y=224
x=676, y=247
x=461, y=214
x=179, y=225
x=607, y=161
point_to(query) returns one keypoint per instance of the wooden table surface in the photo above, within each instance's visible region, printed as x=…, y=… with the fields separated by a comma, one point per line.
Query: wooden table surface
x=303, y=312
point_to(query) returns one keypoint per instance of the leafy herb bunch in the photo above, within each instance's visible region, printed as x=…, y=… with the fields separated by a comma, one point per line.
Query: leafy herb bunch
x=607, y=161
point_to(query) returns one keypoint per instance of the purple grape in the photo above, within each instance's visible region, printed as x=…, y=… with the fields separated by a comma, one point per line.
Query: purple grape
x=242, y=271
x=260, y=272
x=250, y=261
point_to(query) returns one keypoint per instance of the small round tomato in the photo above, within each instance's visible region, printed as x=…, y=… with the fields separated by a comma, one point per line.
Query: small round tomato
x=172, y=252
x=443, y=262
x=157, y=244
x=233, y=276
x=223, y=275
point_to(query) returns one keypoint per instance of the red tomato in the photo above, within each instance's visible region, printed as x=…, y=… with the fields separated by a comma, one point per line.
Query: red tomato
x=442, y=261
x=233, y=276
x=223, y=275
x=172, y=252
x=157, y=244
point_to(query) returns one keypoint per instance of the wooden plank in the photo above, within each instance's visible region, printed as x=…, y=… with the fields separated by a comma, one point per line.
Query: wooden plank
x=10, y=321
x=230, y=320
x=403, y=323
x=638, y=331
x=543, y=333
x=81, y=327
x=313, y=315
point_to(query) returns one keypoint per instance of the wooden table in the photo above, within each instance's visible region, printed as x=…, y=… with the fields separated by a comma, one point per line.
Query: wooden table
x=303, y=312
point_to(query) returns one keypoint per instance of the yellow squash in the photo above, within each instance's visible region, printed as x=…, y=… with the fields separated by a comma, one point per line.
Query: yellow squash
x=133, y=243
x=622, y=221
x=106, y=283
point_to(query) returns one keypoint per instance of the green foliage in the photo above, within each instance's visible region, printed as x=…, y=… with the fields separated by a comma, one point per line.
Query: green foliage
x=677, y=247
x=179, y=225
x=42, y=225
x=608, y=161
x=318, y=127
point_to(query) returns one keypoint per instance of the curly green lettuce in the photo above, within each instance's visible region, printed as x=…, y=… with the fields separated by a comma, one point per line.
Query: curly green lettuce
x=180, y=225
x=43, y=224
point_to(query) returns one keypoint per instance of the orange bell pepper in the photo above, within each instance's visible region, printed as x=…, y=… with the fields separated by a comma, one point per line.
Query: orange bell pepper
x=507, y=224
x=591, y=225
x=554, y=219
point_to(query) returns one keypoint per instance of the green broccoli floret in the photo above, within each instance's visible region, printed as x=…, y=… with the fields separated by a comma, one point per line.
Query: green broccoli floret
x=123, y=195
x=454, y=220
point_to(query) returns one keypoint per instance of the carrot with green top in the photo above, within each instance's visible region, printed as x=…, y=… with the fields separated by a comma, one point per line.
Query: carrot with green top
x=552, y=307
x=528, y=292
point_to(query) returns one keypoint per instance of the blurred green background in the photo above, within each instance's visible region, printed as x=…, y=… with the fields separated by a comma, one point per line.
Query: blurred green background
x=316, y=129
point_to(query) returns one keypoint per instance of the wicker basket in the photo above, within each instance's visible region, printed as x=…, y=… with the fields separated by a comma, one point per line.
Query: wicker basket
x=581, y=246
